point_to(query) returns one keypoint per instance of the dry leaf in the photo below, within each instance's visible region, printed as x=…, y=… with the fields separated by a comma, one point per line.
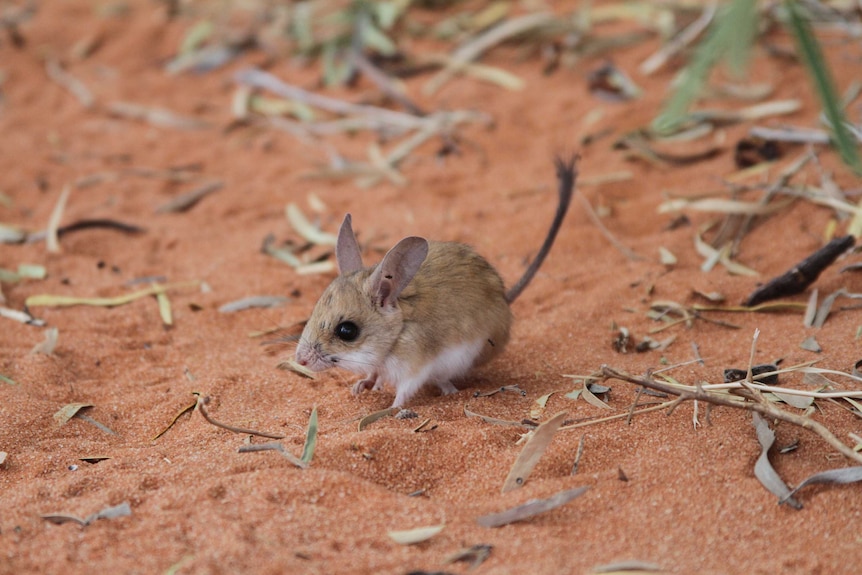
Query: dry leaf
x=255, y=301
x=305, y=229
x=67, y=412
x=536, y=445
x=174, y=420
x=539, y=406
x=412, y=536
x=310, y=438
x=591, y=398
x=763, y=469
x=188, y=200
x=47, y=346
x=493, y=420
x=372, y=417
x=530, y=508
x=291, y=365
x=832, y=477
x=52, y=241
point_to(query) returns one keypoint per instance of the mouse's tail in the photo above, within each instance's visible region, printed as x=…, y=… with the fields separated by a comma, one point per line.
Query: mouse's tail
x=567, y=175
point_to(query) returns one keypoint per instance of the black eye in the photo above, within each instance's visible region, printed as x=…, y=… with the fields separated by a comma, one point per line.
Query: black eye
x=347, y=331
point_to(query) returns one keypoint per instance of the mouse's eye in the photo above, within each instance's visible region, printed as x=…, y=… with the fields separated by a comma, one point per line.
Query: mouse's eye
x=347, y=331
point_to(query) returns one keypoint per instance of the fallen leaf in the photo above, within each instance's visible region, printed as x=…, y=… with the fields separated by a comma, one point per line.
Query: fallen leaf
x=310, y=438
x=530, y=508
x=67, y=412
x=763, y=469
x=372, y=417
x=531, y=453
x=840, y=476
x=412, y=536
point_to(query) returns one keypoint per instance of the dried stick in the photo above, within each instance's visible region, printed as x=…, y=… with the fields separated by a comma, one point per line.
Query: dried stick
x=594, y=217
x=765, y=408
x=484, y=42
x=200, y=407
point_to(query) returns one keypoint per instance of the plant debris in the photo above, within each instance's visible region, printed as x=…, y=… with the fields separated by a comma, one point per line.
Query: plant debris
x=530, y=508
x=291, y=365
x=52, y=240
x=179, y=414
x=840, y=476
x=810, y=344
x=67, y=412
x=475, y=555
x=764, y=373
x=113, y=512
x=763, y=469
x=621, y=567
x=494, y=420
x=501, y=389
x=49, y=344
x=803, y=274
x=539, y=440
x=274, y=446
x=48, y=300
x=310, y=438
x=202, y=401
x=372, y=417
x=255, y=301
x=413, y=536
x=155, y=116
x=188, y=200
x=305, y=229
x=745, y=399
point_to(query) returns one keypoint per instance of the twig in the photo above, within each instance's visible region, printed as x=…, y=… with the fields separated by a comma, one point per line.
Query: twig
x=384, y=83
x=680, y=41
x=483, y=42
x=51, y=241
x=625, y=250
x=260, y=79
x=765, y=408
x=200, y=407
x=785, y=177
x=69, y=82
x=670, y=405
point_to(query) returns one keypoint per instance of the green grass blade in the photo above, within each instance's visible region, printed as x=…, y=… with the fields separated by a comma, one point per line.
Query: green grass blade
x=693, y=77
x=741, y=21
x=809, y=49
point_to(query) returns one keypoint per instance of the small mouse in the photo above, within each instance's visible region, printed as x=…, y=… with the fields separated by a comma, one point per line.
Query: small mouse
x=427, y=313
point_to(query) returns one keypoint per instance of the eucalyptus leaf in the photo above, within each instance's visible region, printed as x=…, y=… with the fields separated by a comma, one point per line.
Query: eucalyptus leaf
x=832, y=477
x=413, y=536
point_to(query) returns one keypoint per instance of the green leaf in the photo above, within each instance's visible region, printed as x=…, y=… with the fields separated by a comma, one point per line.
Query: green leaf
x=742, y=22
x=809, y=49
x=730, y=36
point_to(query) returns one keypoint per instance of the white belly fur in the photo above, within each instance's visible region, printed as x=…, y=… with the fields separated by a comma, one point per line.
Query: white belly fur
x=451, y=363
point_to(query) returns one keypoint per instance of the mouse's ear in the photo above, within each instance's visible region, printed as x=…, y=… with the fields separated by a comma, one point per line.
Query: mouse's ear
x=347, y=252
x=396, y=271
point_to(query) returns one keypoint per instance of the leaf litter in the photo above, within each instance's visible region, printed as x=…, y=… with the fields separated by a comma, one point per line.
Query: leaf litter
x=841, y=476
x=75, y=410
x=537, y=443
x=413, y=536
x=112, y=512
x=530, y=509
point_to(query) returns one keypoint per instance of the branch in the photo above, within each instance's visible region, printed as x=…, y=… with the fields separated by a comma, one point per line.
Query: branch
x=765, y=408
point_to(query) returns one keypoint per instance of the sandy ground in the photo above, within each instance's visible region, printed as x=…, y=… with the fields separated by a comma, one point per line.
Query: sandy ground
x=661, y=491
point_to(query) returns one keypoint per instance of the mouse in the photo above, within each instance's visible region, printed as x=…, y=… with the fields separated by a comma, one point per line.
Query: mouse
x=426, y=314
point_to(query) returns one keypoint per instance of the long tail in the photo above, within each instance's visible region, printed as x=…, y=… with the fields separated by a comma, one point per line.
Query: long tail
x=567, y=175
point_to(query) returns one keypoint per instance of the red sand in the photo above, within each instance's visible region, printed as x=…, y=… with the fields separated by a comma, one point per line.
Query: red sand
x=691, y=503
